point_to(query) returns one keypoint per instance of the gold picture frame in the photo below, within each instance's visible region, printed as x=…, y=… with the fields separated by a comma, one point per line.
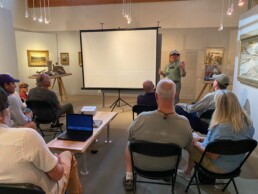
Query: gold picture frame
x=80, y=58
x=248, y=61
x=64, y=58
x=37, y=58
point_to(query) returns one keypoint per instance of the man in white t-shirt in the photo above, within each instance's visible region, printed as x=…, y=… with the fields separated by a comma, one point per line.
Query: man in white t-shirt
x=25, y=158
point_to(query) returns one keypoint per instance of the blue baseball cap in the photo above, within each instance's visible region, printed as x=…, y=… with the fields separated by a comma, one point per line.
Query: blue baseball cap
x=6, y=78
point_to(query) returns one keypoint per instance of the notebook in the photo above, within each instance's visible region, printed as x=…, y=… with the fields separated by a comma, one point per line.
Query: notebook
x=79, y=127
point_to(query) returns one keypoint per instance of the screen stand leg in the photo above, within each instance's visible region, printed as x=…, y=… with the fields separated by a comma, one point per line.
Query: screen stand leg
x=117, y=102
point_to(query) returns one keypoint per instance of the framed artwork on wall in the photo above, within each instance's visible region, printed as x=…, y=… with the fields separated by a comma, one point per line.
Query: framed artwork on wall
x=214, y=56
x=64, y=58
x=37, y=58
x=248, y=61
x=80, y=58
x=213, y=62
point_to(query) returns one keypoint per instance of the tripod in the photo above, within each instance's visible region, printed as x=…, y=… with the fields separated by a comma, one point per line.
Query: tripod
x=117, y=102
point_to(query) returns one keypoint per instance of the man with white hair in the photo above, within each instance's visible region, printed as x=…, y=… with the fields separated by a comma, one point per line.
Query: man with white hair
x=163, y=126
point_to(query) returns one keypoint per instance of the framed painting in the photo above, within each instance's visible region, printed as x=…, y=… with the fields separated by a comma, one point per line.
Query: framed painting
x=64, y=58
x=248, y=61
x=37, y=58
x=80, y=58
x=214, y=56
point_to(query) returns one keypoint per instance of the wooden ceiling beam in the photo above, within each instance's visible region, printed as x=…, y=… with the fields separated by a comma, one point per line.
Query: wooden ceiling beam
x=60, y=3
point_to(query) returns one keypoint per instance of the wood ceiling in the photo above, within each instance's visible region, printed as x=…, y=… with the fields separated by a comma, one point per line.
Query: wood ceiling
x=60, y=3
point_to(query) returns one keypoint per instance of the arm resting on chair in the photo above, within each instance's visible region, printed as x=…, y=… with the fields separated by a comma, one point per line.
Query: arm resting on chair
x=201, y=148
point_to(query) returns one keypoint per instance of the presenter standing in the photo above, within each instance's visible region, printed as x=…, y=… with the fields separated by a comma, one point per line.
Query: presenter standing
x=174, y=70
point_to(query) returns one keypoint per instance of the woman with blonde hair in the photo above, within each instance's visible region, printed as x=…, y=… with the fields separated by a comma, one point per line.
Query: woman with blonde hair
x=229, y=121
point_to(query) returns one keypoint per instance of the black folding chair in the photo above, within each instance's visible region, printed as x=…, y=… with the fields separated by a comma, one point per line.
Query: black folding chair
x=137, y=109
x=224, y=147
x=204, y=121
x=44, y=113
x=20, y=188
x=156, y=150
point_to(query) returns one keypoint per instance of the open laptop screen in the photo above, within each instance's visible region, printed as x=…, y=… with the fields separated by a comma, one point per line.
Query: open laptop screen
x=79, y=122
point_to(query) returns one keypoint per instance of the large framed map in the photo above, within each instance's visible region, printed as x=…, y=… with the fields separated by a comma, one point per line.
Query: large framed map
x=248, y=62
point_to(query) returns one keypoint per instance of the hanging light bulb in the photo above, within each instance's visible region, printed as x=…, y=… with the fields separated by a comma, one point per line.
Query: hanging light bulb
x=34, y=15
x=26, y=9
x=45, y=13
x=221, y=19
x=41, y=17
x=229, y=12
x=48, y=12
x=1, y=4
x=241, y=3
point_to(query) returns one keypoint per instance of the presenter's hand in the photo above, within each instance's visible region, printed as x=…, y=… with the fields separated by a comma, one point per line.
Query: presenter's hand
x=161, y=72
x=182, y=66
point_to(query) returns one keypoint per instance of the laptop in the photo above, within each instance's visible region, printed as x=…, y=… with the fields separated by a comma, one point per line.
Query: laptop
x=79, y=127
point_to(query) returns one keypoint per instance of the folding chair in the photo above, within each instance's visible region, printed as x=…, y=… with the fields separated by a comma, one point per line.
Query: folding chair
x=142, y=108
x=156, y=150
x=204, y=122
x=224, y=147
x=44, y=113
x=20, y=188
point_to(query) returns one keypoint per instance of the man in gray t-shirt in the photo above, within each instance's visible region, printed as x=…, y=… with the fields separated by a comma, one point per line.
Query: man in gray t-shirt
x=161, y=126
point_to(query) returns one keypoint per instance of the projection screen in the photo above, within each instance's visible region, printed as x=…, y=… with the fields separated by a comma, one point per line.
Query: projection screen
x=119, y=59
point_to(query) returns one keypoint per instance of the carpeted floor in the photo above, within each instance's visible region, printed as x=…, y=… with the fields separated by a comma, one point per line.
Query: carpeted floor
x=107, y=166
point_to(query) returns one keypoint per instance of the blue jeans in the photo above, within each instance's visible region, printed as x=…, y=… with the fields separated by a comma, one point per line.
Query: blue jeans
x=194, y=120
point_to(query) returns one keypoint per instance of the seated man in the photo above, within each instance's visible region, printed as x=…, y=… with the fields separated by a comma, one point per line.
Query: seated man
x=19, y=114
x=148, y=98
x=42, y=92
x=31, y=161
x=161, y=126
x=193, y=111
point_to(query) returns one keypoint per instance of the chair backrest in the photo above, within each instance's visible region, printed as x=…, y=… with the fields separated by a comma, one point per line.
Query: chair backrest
x=142, y=108
x=155, y=150
x=207, y=114
x=42, y=110
x=20, y=188
x=230, y=147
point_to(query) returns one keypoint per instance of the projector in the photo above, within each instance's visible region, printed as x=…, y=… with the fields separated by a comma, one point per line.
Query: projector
x=89, y=110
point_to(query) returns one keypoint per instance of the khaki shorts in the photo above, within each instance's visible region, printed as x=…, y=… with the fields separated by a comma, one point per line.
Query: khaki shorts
x=196, y=155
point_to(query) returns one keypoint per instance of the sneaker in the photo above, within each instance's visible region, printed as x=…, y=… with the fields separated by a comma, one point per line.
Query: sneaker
x=128, y=184
x=182, y=174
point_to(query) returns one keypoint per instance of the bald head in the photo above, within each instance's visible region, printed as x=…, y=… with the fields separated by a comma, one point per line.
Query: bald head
x=166, y=90
x=148, y=86
x=43, y=80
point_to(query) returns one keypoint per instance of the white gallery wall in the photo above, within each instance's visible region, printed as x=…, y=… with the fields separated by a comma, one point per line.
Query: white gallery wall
x=248, y=25
x=8, y=60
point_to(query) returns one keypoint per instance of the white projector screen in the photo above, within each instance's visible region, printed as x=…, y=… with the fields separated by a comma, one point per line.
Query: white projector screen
x=119, y=59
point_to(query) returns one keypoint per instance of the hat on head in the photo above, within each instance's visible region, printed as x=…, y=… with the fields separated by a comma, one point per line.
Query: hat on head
x=23, y=85
x=6, y=78
x=223, y=79
x=174, y=52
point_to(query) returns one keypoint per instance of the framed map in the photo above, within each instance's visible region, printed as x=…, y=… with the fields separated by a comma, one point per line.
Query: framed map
x=248, y=61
